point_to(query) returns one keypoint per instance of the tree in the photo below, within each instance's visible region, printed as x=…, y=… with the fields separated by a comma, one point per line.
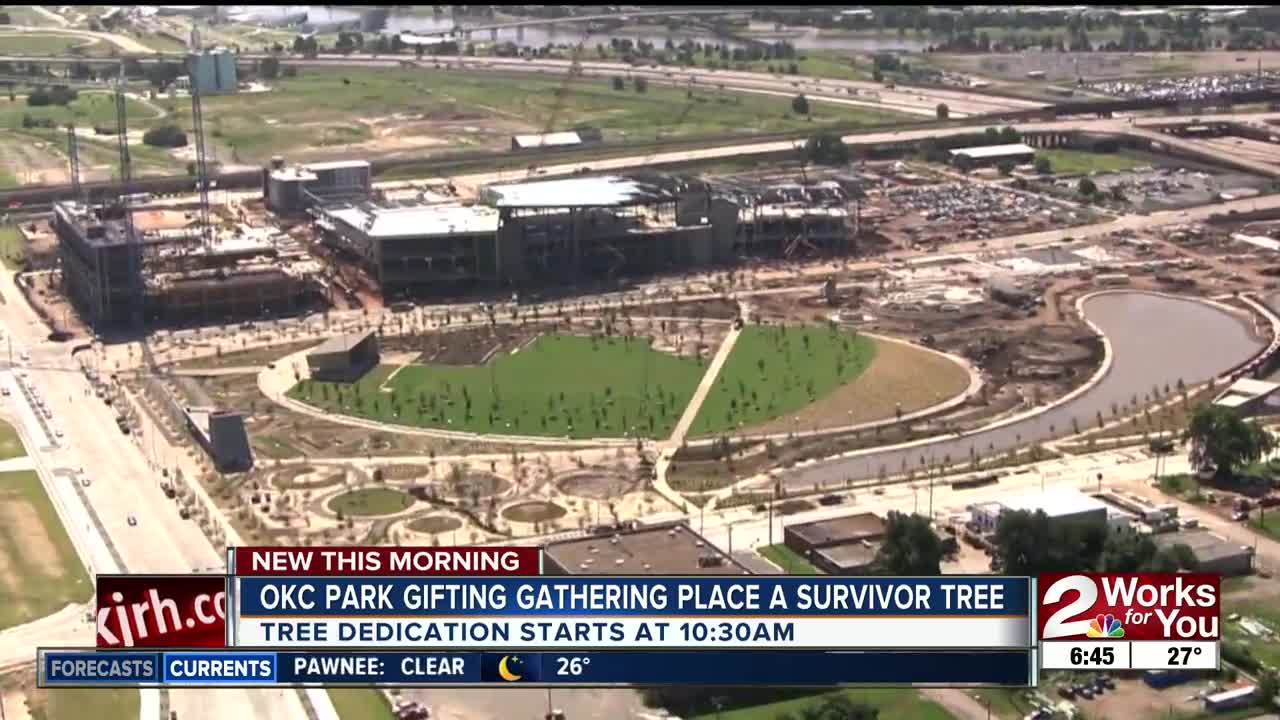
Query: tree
x=618, y=82
x=1222, y=441
x=269, y=68
x=640, y=84
x=910, y=547
x=800, y=105
x=826, y=148
x=1268, y=688
x=1006, y=167
x=167, y=136
x=1086, y=187
x=1043, y=166
x=943, y=111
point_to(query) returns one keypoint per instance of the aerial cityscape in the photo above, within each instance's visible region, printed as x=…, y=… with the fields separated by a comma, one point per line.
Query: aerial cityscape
x=768, y=290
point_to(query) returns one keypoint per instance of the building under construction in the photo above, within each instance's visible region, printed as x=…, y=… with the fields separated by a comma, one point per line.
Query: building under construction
x=159, y=269
x=578, y=231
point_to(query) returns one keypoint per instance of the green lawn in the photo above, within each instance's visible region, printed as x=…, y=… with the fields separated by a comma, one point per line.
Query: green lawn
x=893, y=703
x=25, y=15
x=326, y=104
x=370, y=501
x=72, y=703
x=777, y=370
x=40, y=572
x=89, y=109
x=1263, y=609
x=787, y=559
x=816, y=64
x=10, y=245
x=10, y=445
x=360, y=704
x=50, y=44
x=558, y=385
x=1080, y=161
x=1268, y=523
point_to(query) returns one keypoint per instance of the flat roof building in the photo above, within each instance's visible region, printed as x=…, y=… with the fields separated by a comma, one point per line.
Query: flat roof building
x=344, y=358
x=845, y=545
x=1213, y=553
x=1059, y=504
x=222, y=435
x=555, y=139
x=668, y=549
x=990, y=154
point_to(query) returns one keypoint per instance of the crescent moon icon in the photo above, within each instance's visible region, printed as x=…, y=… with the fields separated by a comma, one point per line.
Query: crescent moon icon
x=505, y=671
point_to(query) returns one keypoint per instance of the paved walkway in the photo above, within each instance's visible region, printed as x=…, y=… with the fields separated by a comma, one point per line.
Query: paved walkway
x=667, y=449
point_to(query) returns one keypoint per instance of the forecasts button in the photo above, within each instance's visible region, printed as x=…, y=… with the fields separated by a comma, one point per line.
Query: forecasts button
x=99, y=668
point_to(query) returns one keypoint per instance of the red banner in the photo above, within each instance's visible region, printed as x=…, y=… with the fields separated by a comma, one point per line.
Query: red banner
x=306, y=561
x=158, y=611
x=1128, y=606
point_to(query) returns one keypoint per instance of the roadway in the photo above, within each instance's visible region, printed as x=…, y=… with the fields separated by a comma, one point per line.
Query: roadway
x=918, y=101
x=120, y=483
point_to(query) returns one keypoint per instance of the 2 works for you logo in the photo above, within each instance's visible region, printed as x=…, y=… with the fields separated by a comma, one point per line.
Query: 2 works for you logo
x=1130, y=606
x=1105, y=626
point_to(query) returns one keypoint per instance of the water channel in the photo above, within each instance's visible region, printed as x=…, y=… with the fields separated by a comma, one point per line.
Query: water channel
x=1155, y=340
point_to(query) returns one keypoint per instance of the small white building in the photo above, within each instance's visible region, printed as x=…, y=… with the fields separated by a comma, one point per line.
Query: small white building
x=1059, y=504
x=991, y=154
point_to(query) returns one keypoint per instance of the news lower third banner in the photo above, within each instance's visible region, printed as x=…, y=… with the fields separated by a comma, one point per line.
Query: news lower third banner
x=633, y=613
x=242, y=667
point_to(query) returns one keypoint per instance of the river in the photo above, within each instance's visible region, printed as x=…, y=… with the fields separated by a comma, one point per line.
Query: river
x=1155, y=340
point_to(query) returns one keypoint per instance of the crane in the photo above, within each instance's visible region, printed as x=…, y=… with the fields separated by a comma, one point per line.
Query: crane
x=197, y=128
x=73, y=159
x=562, y=92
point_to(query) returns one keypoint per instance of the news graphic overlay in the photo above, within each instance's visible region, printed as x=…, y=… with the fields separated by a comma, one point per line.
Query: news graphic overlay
x=1129, y=621
x=487, y=617
x=161, y=611
x=633, y=613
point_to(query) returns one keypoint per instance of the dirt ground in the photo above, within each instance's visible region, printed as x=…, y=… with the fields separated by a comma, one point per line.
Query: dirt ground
x=900, y=377
x=1062, y=66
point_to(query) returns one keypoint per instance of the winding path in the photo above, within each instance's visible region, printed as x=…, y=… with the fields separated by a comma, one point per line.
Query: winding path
x=1152, y=340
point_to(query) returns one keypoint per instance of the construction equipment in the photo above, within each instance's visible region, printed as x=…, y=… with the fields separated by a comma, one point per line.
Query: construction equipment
x=73, y=159
x=197, y=128
x=134, y=289
x=562, y=93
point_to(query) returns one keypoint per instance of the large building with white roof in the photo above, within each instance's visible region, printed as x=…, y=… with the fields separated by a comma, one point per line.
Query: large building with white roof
x=581, y=231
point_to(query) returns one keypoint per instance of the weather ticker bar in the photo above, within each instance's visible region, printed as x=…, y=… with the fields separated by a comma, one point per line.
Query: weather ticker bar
x=246, y=667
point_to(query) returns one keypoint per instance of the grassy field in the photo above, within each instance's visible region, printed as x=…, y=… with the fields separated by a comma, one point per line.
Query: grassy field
x=10, y=445
x=370, y=501
x=10, y=245
x=893, y=703
x=453, y=108
x=39, y=570
x=41, y=44
x=558, y=385
x=1079, y=161
x=1268, y=523
x=787, y=559
x=89, y=109
x=360, y=704
x=774, y=371
x=901, y=377
x=71, y=703
x=25, y=15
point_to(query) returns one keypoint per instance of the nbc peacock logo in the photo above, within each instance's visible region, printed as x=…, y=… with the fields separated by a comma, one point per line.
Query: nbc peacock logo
x=1105, y=626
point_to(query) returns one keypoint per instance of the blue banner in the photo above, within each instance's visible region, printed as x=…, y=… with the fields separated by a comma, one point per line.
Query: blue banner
x=73, y=668
x=950, y=596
